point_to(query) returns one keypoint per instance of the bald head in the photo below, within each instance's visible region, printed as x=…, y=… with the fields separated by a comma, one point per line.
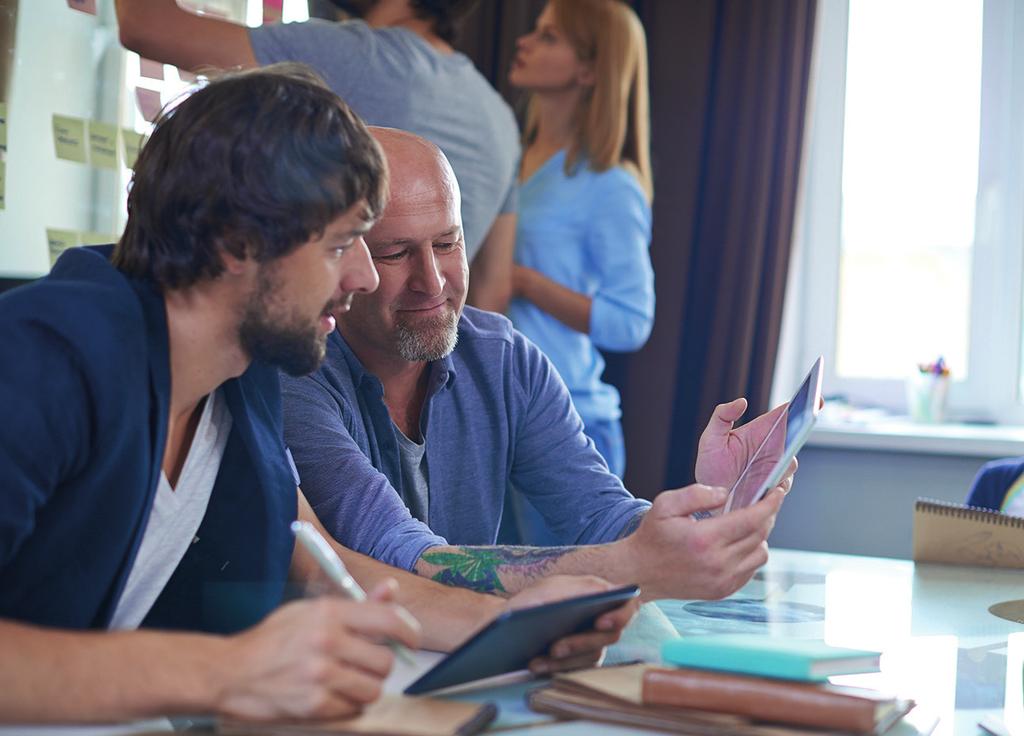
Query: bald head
x=418, y=250
x=419, y=173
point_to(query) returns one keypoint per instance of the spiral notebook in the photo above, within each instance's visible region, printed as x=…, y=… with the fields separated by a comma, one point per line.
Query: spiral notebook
x=964, y=535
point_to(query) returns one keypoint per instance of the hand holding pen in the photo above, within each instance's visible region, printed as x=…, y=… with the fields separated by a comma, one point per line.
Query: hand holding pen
x=328, y=561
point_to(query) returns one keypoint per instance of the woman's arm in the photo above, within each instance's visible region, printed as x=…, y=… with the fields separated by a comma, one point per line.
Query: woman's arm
x=490, y=275
x=561, y=302
x=620, y=314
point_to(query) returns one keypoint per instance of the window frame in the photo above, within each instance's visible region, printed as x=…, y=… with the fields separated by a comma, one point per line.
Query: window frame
x=993, y=388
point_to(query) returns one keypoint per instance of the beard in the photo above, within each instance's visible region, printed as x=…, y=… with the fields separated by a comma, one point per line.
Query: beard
x=431, y=339
x=277, y=335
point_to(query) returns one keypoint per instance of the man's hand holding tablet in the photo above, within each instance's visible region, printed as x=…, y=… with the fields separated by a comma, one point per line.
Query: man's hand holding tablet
x=761, y=454
x=714, y=557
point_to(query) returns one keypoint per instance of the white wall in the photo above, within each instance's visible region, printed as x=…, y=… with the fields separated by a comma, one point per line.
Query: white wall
x=66, y=62
x=862, y=502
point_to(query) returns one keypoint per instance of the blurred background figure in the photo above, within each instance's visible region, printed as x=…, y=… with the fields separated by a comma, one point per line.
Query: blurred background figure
x=999, y=486
x=583, y=278
x=393, y=64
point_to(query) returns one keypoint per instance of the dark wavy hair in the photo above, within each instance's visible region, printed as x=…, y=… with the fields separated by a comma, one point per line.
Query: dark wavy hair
x=444, y=15
x=254, y=164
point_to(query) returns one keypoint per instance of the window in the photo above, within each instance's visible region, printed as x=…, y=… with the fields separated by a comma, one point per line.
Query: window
x=911, y=240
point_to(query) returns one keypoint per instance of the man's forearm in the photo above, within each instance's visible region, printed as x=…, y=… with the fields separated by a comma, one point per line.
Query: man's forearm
x=60, y=676
x=506, y=570
x=162, y=31
x=448, y=615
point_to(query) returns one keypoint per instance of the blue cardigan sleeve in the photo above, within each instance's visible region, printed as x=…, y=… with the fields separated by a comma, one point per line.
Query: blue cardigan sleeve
x=622, y=312
x=45, y=433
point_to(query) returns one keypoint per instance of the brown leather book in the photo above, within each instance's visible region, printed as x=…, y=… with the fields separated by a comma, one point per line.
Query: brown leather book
x=615, y=695
x=832, y=707
x=392, y=715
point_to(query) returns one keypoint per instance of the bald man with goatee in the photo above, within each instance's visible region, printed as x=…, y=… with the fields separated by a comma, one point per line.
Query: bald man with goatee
x=426, y=410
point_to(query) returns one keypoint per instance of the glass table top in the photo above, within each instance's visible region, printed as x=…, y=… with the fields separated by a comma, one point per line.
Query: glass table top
x=940, y=644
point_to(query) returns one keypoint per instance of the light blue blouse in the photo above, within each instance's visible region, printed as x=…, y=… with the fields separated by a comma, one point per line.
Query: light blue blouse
x=590, y=232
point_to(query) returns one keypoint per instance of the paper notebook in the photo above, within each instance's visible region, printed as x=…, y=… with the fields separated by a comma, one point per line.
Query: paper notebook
x=393, y=715
x=964, y=535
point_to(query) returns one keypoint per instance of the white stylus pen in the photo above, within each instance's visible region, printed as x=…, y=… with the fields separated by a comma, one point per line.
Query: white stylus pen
x=335, y=569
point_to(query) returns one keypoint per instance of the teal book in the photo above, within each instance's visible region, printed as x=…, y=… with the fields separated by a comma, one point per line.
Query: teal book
x=808, y=660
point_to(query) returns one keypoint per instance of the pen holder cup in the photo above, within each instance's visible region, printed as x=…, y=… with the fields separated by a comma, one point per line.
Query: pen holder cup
x=926, y=397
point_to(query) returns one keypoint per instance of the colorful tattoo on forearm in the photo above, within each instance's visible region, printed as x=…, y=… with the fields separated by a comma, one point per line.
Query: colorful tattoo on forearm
x=480, y=568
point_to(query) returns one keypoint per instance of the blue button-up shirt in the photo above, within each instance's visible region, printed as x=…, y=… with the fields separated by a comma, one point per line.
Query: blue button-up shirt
x=496, y=412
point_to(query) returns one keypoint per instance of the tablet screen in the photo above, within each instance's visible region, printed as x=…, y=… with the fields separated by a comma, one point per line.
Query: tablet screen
x=785, y=438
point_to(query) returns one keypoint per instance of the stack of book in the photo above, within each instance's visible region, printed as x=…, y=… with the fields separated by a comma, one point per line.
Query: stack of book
x=738, y=684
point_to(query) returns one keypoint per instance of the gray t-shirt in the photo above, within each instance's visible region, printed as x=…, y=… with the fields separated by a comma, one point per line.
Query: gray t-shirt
x=392, y=77
x=413, y=459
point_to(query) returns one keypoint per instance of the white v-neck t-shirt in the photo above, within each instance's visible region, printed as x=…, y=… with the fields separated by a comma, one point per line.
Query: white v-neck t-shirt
x=175, y=517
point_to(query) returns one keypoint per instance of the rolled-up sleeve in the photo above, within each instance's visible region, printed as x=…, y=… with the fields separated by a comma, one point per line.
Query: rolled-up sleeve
x=353, y=501
x=618, y=242
x=557, y=466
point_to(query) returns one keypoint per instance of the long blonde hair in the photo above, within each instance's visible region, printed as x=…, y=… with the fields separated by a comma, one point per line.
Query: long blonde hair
x=613, y=119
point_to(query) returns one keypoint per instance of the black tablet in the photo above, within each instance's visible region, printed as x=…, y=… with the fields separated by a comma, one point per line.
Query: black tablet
x=511, y=640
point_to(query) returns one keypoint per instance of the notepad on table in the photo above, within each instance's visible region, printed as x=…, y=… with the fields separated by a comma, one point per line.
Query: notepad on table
x=964, y=535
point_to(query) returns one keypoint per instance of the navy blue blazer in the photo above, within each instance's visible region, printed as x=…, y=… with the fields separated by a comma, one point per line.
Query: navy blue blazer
x=84, y=391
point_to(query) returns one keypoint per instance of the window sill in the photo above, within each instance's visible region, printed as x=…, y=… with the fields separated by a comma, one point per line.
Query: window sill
x=899, y=434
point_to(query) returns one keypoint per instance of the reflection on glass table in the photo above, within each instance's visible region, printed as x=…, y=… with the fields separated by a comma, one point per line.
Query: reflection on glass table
x=940, y=644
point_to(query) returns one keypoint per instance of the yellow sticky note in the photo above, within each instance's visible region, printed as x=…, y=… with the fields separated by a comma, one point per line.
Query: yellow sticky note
x=69, y=138
x=3, y=185
x=3, y=126
x=59, y=241
x=103, y=144
x=132, y=145
x=88, y=237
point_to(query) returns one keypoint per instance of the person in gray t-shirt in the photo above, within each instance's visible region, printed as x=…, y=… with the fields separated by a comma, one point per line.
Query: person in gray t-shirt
x=396, y=68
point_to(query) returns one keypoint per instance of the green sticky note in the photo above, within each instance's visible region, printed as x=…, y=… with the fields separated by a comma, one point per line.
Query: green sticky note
x=88, y=237
x=69, y=138
x=132, y=146
x=3, y=126
x=103, y=144
x=3, y=185
x=59, y=241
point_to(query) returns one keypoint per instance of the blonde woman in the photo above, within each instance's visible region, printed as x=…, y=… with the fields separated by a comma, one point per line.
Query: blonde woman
x=583, y=277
